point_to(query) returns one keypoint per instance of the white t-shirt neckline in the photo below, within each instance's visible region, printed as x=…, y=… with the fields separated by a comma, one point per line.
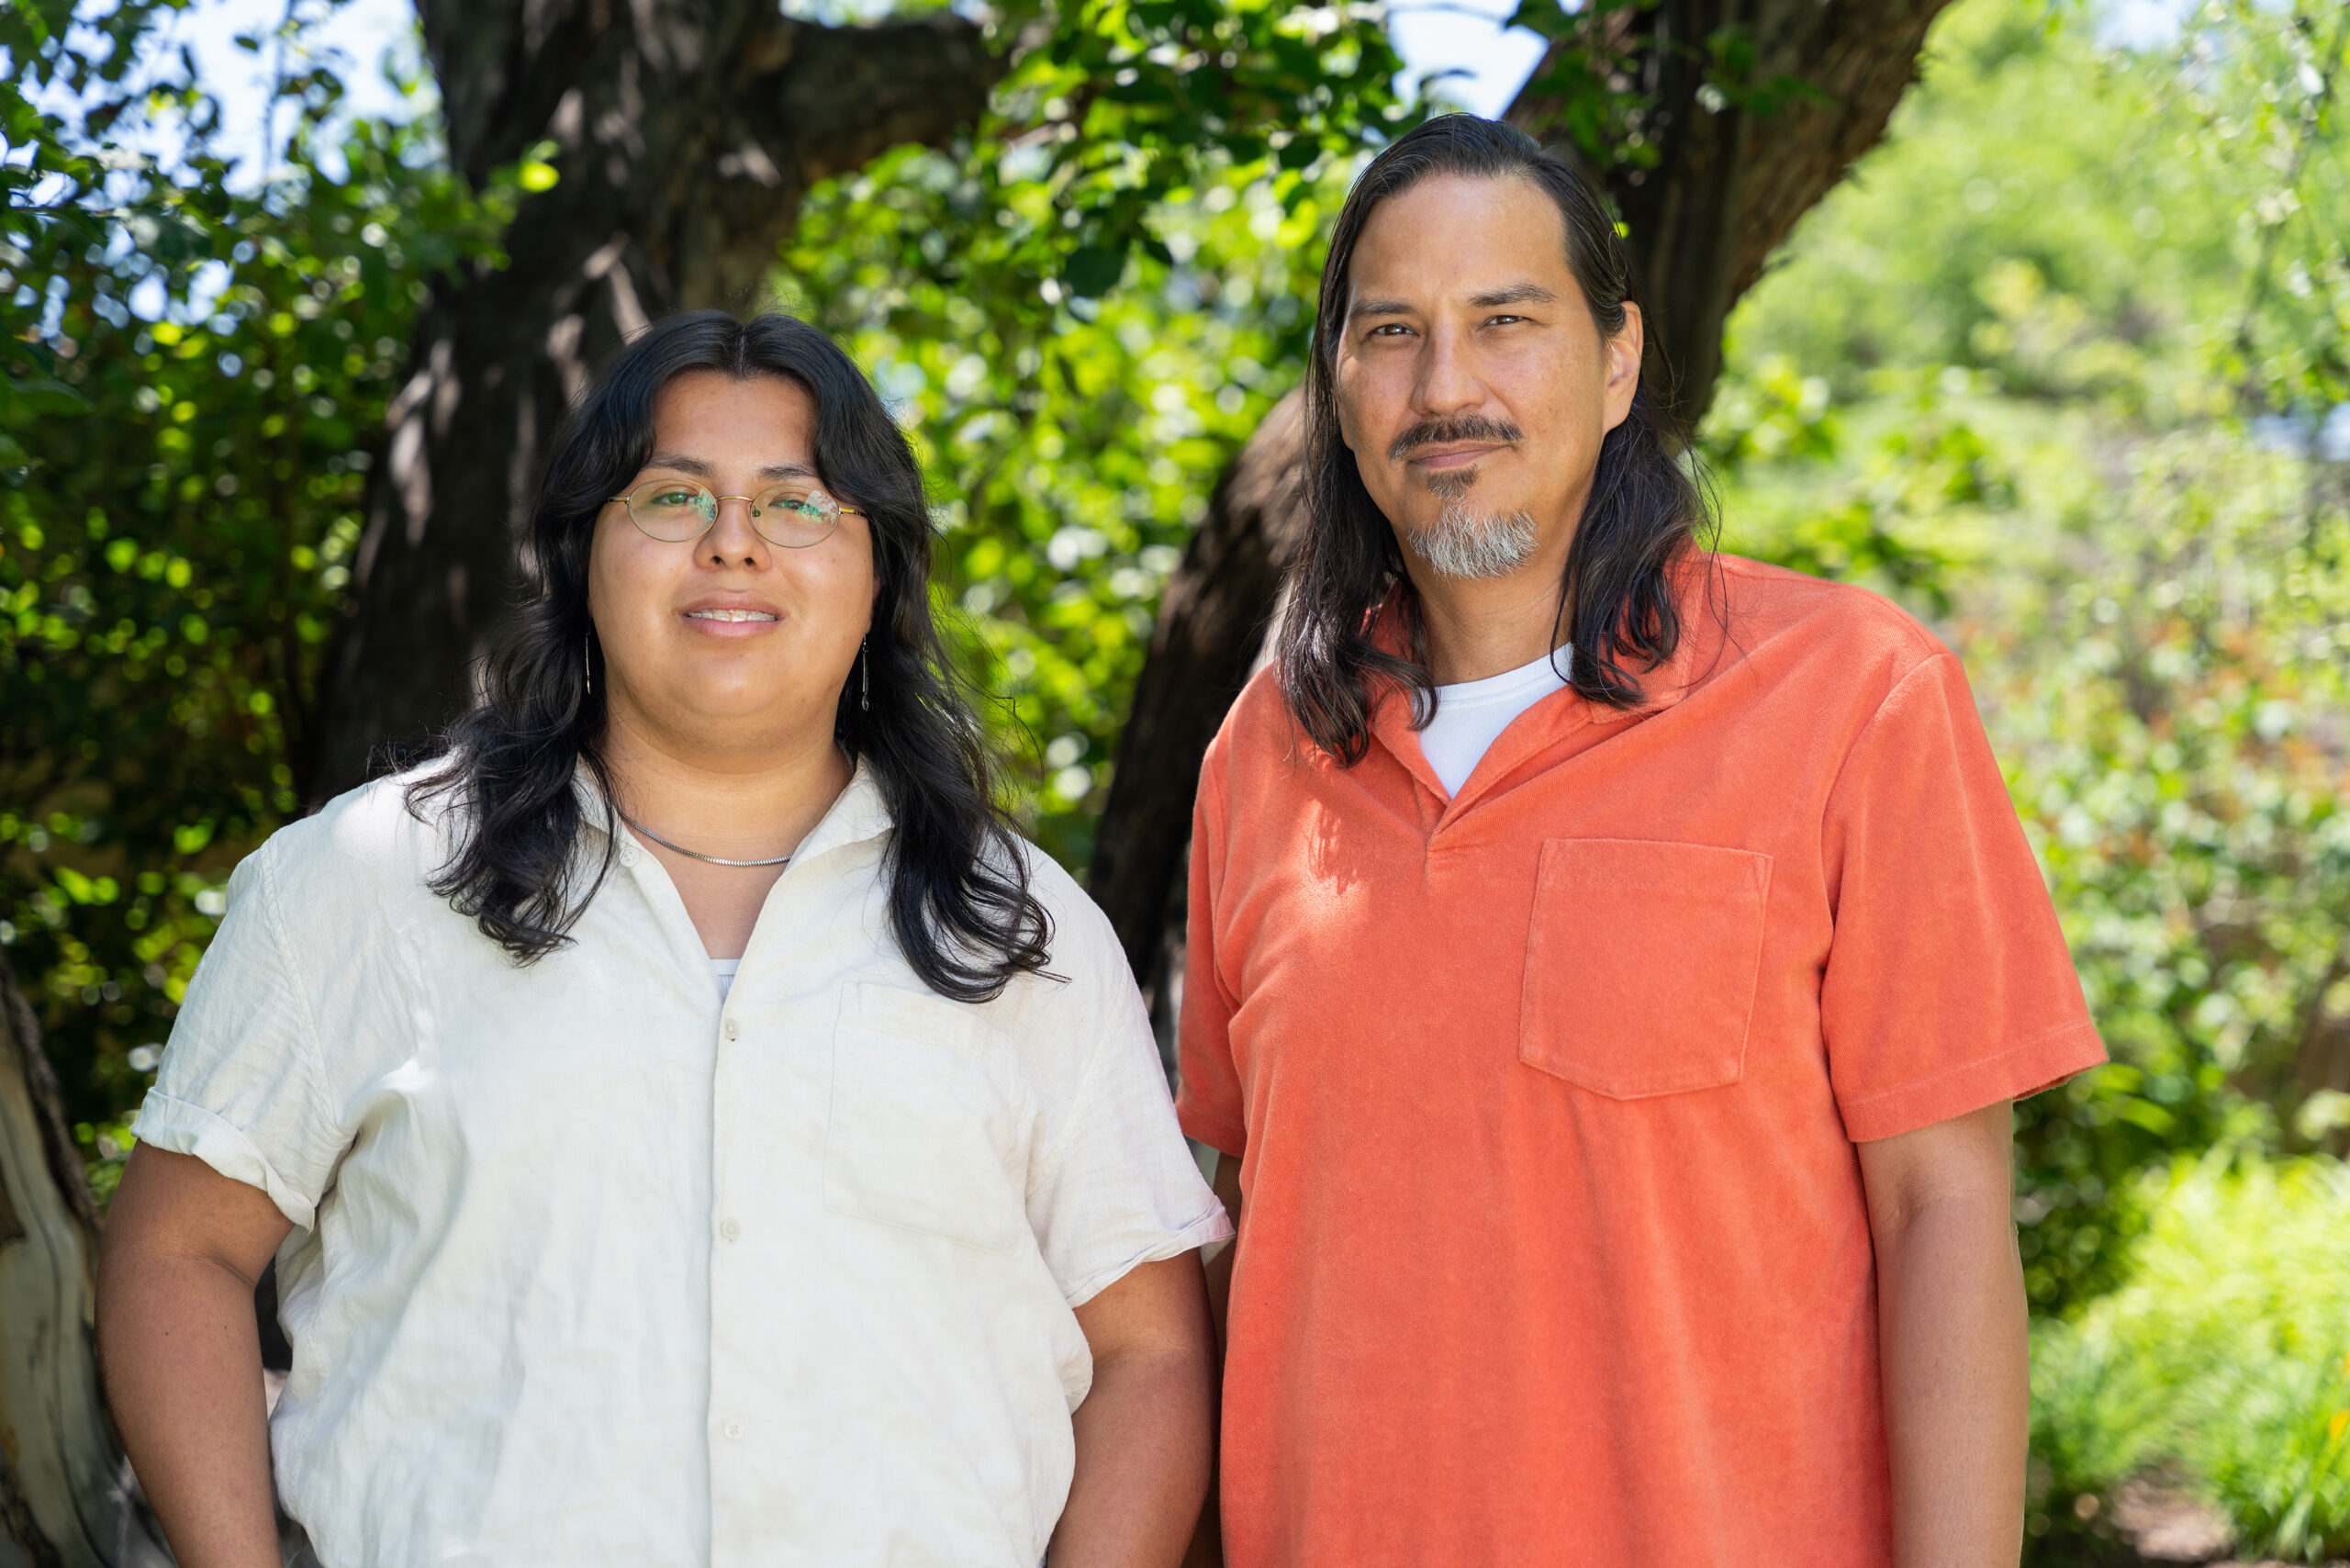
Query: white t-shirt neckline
x=1470, y=716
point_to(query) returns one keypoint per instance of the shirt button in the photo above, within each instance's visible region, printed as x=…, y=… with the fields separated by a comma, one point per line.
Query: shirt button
x=733, y=1429
x=734, y=1030
x=628, y=854
x=728, y=1229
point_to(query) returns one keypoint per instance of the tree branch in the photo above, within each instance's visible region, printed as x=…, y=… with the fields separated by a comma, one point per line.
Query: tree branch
x=846, y=94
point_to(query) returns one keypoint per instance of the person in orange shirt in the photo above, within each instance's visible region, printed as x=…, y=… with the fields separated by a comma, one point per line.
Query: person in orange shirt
x=1611, y=964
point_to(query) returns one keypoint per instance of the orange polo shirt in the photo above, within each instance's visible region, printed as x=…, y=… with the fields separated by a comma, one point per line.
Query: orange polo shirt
x=1553, y=1248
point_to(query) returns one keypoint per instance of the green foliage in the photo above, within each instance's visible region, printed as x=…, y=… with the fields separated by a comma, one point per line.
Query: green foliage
x=2225, y=1357
x=198, y=377
x=1080, y=312
x=2004, y=376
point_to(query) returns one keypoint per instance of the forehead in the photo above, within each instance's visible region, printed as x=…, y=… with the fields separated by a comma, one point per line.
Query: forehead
x=1452, y=236
x=707, y=408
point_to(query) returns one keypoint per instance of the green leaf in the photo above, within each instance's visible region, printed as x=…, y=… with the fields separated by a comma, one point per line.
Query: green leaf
x=1092, y=271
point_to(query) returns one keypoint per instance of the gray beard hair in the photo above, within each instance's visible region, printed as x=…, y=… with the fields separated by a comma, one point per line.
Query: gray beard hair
x=1465, y=544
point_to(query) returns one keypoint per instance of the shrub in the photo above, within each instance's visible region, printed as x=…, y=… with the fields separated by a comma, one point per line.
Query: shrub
x=2225, y=1355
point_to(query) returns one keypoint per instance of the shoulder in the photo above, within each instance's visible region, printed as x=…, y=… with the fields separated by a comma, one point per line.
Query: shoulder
x=1259, y=731
x=1798, y=628
x=1085, y=990
x=363, y=849
x=1084, y=945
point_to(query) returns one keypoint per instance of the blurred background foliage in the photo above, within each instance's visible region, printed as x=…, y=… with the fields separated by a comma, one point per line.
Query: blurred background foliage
x=2062, y=368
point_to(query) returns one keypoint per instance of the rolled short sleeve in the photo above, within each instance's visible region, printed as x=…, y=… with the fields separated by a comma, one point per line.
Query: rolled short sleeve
x=1948, y=986
x=1115, y=1186
x=1209, y=1102
x=240, y=1086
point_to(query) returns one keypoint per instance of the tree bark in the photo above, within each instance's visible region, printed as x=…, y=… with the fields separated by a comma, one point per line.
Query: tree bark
x=66, y=1496
x=689, y=130
x=1727, y=186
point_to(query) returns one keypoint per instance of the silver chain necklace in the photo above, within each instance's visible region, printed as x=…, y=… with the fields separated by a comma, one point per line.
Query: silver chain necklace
x=696, y=854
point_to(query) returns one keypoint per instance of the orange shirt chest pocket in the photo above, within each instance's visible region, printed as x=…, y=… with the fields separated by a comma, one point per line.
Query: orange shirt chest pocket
x=1642, y=959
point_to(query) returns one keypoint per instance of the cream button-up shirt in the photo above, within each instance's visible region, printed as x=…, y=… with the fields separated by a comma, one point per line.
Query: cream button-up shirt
x=591, y=1267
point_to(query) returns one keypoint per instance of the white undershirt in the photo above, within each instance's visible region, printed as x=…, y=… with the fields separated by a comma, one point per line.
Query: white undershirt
x=724, y=970
x=1470, y=716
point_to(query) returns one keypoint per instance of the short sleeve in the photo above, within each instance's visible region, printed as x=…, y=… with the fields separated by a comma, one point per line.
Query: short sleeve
x=1115, y=1185
x=1209, y=1101
x=1948, y=986
x=240, y=1086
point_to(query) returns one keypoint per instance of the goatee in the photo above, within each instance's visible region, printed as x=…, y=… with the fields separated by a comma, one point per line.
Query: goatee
x=1462, y=543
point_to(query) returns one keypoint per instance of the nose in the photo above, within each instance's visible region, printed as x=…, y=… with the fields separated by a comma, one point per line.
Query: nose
x=731, y=541
x=1447, y=379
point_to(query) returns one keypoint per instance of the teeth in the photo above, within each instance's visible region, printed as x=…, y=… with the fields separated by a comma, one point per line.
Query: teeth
x=728, y=615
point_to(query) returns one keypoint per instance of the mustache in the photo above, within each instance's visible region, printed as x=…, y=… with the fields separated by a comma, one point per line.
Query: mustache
x=1451, y=428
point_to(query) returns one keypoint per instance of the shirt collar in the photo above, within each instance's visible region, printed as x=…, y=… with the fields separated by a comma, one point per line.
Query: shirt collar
x=1695, y=658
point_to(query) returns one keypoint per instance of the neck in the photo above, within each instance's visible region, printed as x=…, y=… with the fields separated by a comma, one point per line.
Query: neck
x=749, y=803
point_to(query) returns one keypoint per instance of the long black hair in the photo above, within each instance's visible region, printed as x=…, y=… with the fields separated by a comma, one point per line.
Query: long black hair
x=959, y=901
x=1617, y=598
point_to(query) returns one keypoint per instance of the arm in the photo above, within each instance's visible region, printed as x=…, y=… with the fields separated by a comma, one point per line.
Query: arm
x=1219, y=1265
x=1145, y=1432
x=1207, y=1541
x=183, y=1249
x=1950, y=1329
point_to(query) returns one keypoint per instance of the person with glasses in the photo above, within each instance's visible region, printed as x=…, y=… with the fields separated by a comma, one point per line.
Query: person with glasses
x=692, y=1128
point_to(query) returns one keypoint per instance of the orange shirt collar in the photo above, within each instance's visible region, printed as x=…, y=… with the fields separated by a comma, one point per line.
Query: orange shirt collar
x=1559, y=716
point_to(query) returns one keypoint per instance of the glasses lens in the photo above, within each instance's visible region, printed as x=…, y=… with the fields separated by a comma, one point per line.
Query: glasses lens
x=795, y=514
x=673, y=510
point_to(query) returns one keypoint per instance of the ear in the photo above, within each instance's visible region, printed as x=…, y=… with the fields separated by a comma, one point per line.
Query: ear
x=1622, y=354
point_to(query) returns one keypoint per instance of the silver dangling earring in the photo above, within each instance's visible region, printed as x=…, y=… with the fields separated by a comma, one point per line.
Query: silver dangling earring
x=864, y=677
x=587, y=660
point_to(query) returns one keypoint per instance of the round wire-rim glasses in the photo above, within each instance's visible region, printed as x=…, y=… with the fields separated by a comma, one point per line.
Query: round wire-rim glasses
x=793, y=513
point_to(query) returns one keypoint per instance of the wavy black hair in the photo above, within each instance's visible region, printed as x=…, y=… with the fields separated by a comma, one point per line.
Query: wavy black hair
x=959, y=901
x=1617, y=598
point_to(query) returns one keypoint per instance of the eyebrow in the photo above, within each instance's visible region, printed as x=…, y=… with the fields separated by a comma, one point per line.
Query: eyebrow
x=1492, y=299
x=701, y=470
x=1516, y=294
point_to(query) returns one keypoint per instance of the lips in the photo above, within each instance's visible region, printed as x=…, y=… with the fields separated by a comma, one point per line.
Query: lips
x=730, y=612
x=1450, y=456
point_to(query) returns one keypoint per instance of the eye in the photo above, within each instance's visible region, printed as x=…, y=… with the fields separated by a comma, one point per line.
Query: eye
x=1385, y=329
x=1498, y=321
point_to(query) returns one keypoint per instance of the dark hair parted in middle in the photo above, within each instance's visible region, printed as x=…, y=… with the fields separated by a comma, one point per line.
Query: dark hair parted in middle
x=1617, y=599
x=959, y=901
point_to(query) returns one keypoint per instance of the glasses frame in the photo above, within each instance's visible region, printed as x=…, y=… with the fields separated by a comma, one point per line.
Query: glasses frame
x=840, y=509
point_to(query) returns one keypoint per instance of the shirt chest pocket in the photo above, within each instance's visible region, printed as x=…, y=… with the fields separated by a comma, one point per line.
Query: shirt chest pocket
x=1640, y=964
x=930, y=1121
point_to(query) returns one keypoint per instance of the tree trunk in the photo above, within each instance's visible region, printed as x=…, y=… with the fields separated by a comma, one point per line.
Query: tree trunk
x=1727, y=186
x=66, y=1498
x=689, y=130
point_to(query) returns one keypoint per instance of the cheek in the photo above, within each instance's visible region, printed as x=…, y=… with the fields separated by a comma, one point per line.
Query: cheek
x=623, y=580
x=1561, y=409
x=1355, y=392
x=840, y=583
